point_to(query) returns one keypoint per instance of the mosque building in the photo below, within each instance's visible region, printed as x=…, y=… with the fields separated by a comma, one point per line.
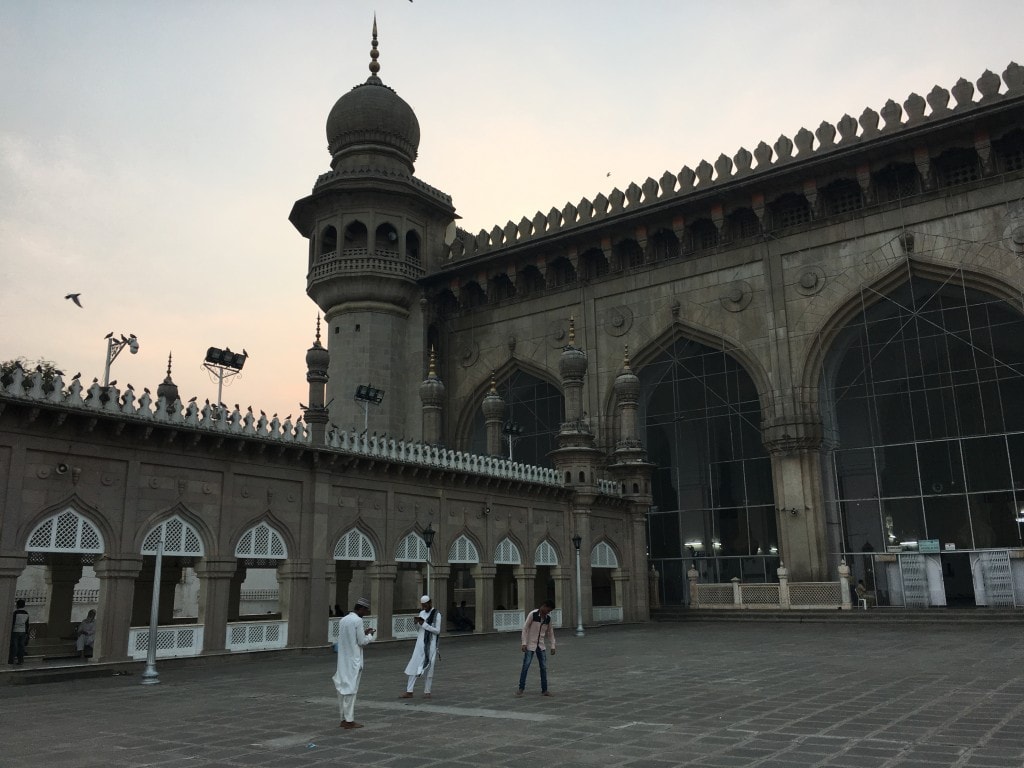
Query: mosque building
x=789, y=361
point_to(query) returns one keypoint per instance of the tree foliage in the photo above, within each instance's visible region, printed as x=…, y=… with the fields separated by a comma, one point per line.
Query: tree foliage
x=47, y=367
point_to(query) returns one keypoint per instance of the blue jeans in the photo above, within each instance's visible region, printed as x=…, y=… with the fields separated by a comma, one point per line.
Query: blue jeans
x=542, y=660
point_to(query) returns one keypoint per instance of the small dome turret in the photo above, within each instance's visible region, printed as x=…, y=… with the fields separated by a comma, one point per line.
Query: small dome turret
x=627, y=383
x=493, y=406
x=317, y=357
x=168, y=390
x=432, y=388
x=573, y=362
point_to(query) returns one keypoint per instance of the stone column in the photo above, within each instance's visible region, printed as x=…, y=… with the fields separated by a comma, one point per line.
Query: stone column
x=525, y=576
x=117, y=576
x=844, y=586
x=494, y=412
x=293, y=580
x=620, y=579
x=170, y=575
x=214, y=596
x=483, y=574
x=783, y=574
x=11, y=567
x=692, y=574
x=564, y=577
x=62, y=574
x=654, y=587
x=235, y=591
x=382, y=577
x=440, y=575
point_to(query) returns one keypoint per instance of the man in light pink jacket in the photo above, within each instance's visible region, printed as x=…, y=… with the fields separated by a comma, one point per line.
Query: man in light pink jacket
x=537, y=631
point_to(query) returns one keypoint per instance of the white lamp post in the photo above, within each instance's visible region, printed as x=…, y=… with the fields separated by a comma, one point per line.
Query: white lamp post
x=150, y=675
x=114, y=347
x=576, y=541
x=428, y=539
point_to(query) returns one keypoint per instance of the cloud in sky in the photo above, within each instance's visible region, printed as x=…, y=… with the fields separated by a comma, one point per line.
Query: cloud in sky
x=150, y=152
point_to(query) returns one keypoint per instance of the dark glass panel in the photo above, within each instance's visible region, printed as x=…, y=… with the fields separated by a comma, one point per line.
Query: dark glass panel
x=941, y=468
x=862, y=526
x=664, y=535
x=758, y=473
x=1015, y=444
x=986, y=463
x=855, y=474
x=663, y=488
x=727, y=484
x=948, y=520
x=764, y=536
x=994, y=519
x=897, y=470
x=903, y=520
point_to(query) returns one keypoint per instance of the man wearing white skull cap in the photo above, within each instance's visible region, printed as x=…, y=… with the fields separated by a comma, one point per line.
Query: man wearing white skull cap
x=424, y=654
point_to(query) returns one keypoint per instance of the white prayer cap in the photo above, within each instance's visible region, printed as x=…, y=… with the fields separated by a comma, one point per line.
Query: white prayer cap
x=424, y=599
x=362, y=602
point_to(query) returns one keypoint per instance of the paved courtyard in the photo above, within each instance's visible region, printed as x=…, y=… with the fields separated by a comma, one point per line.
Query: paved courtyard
x=696, y=694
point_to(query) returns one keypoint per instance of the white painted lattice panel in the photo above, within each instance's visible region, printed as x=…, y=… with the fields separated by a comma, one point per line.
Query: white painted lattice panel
x=995, y=573
x=180, y=539
x=507, y=553
x=761, y=594
x=403, y=627
x=411, y=549
x=333, y=627
x=815, y=594
x=171, y=642
x=261, y=541
x=556, y=617
x=65, y=532
x=257, y=635
x=604, y=614
x=603, y=556
x=714, y=594
x=463, y=551
x=509, y=621
x=915, y=580
x=355, y=545
x=545, y=554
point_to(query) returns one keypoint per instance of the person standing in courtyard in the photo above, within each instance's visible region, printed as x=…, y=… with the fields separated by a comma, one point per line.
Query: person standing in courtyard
x=86, y=637
x=20, y=625
x=424, y=653
x=538, y=631
x=352, y=637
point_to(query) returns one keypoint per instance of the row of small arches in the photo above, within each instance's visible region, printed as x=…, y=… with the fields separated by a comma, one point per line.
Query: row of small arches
x=69, y=531
x=356, y=238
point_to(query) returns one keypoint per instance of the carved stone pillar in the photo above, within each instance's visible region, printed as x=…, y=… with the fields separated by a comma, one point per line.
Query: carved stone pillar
x=564, y=576
x=62, y=574
x=526, y=580
x=440, y=574
x=293, y=577
x=483, y=574
x=382, y=579
x=117, y=576
x=235, y=591
x=214, y=596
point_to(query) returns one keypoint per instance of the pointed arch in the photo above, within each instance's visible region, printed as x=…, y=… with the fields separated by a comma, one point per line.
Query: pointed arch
x=190, y=518
x=179, y=536
x=507, y=553
x=411, y=549
x=603, y=556
x=262, y=541
x=67, y=531
x=355, y=545
x=545, y=554
x=463, y=550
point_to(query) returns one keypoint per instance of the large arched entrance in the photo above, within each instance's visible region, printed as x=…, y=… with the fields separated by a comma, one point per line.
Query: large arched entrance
x=923, y=392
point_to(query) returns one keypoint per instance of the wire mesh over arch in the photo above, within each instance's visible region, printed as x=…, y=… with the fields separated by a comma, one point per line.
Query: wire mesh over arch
x=180, y=539
x=66, y=531
x=507, y=553
x=545, y=554
x=354, y=545
x=411, y=549
x=463, y=551
x=603, y=556
x=261, y=542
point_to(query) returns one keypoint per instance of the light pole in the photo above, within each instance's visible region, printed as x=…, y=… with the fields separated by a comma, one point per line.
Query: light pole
x=366, y=394
x=114, y=347
x=576, y=541
x=428, y=539
x=512, y=430
x=223, y=363
x=149, y=675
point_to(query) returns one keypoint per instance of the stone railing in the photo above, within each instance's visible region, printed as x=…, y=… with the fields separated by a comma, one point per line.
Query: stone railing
x=805, y=143
x=369, y=622
x=606, y=614
x=181, y=640
x=257, y=635
x=509, y=621
x=782, y=596
x=39, y=596
x=332, y=176
x=357, y=260
x=403, y=627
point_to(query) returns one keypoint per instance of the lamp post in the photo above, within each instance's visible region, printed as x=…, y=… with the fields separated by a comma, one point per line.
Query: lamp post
x=150, y=675
x=576, y=541
x=366, y=394
x=428, y=539
x=512, y=431
x=114, y=347
x=223, y=363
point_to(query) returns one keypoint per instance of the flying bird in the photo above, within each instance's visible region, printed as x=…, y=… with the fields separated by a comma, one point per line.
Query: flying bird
x=74, y=298
x=608, y=174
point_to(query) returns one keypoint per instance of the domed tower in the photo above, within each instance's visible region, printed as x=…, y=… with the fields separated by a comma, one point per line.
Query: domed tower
x=318, y=361
x=373, y=230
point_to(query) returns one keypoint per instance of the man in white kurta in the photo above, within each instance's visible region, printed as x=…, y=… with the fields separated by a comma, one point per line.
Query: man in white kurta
x=351, y=639
x=424, y=654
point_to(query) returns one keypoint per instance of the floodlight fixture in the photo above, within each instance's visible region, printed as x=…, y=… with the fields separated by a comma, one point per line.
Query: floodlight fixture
x=223, y=364
x=366, y=394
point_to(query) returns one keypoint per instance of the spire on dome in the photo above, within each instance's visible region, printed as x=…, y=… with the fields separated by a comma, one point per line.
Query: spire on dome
x=317, y=342
x=625, y=357
x=494, y=385
x=169, y=364
x=572, y=330
x=374, y=55
x=431, y=368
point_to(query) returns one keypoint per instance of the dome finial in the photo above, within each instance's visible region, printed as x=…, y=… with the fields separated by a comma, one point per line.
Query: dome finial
x=431, y=370
x=374, y=54
x=494, y=385
x=572, y=330
x=317, y=342
x=625, y=356
x=169, y=364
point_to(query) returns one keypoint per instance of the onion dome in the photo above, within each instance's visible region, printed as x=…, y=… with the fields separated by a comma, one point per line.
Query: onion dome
x=168, y=390
x=432, y=388
x=573, y=362
x=493, y=406
x=371, y=125
x=627, y=383
x=317, y=357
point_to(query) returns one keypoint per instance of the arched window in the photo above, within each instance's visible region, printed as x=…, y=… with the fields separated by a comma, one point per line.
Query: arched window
x=411, y=549
x=356, y=236
x=412, y=249
x=261, y=542
x=545, y=554
x=472, y=295
x=328, y=240
x=179, y=538
x=956, y=166
x=701, y=235
x=65, y=532
x=507, y=553
x=603, y=556
x=789, y=210
x=500, y=288
x=841, y=196
x=896, y=181
x=664, y=245
x=386, y=239
x=561, y=272
x=463, y=551
x=593, y=264
x=627, y=254
x=355, y=545
x=1009, y=152
x=530, y=280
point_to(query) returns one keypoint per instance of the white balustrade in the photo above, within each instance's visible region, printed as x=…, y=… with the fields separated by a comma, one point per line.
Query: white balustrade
x=369, y=622
x=509, y=621
x=403, y=626
x=171, y=642
x=606, y=614
x=257, y=635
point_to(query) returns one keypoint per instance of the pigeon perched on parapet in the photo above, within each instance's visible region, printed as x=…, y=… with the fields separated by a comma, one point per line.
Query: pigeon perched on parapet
x=192, y=399
x=109, y=335
x=113, y=383
x=77, y=375
x=74, y=298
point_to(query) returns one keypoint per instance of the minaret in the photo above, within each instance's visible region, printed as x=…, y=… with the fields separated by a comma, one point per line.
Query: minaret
x=168, y=390
x=630, y=466
x=494, y=413
x=372, y=229
x=576, y=457
x=432, y=397
x=317, y=362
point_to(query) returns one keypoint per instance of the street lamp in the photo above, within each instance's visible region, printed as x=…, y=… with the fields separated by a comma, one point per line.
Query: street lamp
x=428, y=539
x=223, y=363
x=576, y=541
x=366, y=394
x=512, y=431
x=114, y=347
x=149, y=675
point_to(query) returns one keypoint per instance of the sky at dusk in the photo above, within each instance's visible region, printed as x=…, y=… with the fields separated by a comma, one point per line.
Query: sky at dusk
x=150, y=152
